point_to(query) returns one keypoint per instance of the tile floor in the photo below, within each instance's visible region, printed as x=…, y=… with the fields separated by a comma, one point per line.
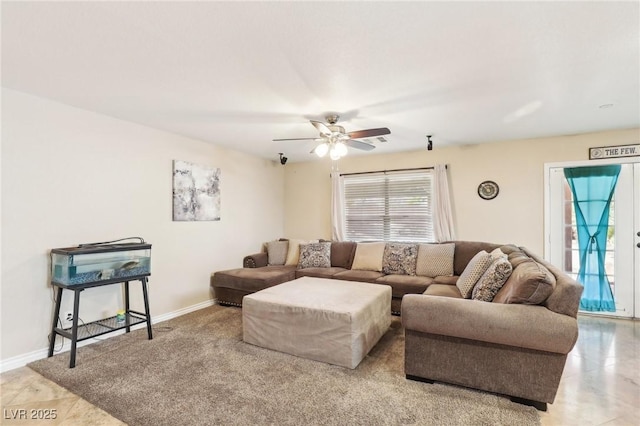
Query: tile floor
x=601, y=380
x=600, y=385
x=26, y=396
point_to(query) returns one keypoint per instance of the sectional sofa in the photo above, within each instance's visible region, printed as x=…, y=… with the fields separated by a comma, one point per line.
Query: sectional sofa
x=232, y=285
x=515, y=345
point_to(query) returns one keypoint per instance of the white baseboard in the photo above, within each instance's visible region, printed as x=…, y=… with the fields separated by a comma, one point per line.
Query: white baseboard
x=24, y=359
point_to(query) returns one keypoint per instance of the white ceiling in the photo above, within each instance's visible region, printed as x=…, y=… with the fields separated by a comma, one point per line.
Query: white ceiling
x=239, y=74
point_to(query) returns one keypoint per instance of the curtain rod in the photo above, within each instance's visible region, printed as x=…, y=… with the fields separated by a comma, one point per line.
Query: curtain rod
x=394, y=170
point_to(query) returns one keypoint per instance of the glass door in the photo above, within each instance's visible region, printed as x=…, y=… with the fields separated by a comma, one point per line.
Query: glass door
x=573, y=241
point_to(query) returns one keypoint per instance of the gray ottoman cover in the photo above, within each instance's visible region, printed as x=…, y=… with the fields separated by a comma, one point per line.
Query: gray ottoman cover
x=326, y=320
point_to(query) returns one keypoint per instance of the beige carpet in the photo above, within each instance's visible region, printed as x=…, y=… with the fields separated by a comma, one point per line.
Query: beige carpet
x=197, y=371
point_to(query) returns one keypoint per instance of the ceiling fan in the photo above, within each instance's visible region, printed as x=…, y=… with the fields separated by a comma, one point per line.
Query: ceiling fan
x=334, y=140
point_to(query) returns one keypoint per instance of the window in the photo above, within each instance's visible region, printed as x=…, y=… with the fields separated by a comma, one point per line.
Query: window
x=389, y=206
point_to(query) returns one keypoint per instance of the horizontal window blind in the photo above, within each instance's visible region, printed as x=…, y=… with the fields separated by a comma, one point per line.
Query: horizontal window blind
x=389, y=206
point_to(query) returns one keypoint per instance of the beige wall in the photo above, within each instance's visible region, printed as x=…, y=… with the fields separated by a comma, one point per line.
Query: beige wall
x=70, y=176
x=515, y=216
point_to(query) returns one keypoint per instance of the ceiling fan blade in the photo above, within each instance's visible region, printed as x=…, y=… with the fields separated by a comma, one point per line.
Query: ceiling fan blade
x=322, y=128
x=359, y=134
x=294, y=139
x=359, y=145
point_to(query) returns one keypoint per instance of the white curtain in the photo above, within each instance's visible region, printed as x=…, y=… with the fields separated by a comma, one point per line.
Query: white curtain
x=442, y=213
x=337, y=207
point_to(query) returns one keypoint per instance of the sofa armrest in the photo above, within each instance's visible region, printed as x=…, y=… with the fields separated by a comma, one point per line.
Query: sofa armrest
x=527, y=326
x=256, y=260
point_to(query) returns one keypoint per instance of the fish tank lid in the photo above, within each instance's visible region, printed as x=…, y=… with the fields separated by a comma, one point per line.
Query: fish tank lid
x=100, y=248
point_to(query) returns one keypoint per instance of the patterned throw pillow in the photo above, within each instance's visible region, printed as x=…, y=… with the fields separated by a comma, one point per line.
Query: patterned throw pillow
x=492, y=280
x=315, y=255
x=399, y=259
x=472, y=273
x=435, y=260
x=277, y=252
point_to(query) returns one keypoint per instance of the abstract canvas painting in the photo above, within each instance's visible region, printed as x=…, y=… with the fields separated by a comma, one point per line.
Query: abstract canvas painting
x=196, y=192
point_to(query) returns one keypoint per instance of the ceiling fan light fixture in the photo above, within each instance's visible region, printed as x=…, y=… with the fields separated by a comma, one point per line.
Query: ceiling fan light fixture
x=341, y=149
x=322, y=149
x=333, y=153
x=334, y=140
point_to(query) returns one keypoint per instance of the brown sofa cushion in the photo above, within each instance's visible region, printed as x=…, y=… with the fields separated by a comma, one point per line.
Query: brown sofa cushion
x=318, y=272
x=399, y=258
x=342, y=253
x=517, y=257
x=520, y=327
x=530, y=283
x=405, y=284
x=465, y=250
x=452, y=280
x=509, y=248
x=565, y=298
x=253, y=279
x=443, y=290
x=357, y=275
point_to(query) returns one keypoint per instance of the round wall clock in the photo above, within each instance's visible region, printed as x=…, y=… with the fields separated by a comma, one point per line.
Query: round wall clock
x=488, y=190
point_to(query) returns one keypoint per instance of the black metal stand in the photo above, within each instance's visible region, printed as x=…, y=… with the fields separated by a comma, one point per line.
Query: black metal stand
x=97, y=328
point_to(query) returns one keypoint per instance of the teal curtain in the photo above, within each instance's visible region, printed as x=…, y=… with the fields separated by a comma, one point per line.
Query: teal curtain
x=592, y=189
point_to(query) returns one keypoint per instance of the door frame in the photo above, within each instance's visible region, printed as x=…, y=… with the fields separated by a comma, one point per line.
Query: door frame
x=636, y=203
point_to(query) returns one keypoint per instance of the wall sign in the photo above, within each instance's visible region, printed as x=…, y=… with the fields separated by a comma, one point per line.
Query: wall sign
x=614, y=151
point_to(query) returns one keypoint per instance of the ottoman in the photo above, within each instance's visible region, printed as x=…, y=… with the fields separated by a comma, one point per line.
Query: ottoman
x=333, y=321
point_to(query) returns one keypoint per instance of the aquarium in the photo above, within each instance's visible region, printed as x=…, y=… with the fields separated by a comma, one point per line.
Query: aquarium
x=94, y=263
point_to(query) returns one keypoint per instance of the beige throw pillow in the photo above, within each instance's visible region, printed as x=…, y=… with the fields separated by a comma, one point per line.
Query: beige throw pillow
x=368, y=257
x=472, y=273
x=277, y=252
x=293, y=255
x=497, y=253
x=435, y=260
